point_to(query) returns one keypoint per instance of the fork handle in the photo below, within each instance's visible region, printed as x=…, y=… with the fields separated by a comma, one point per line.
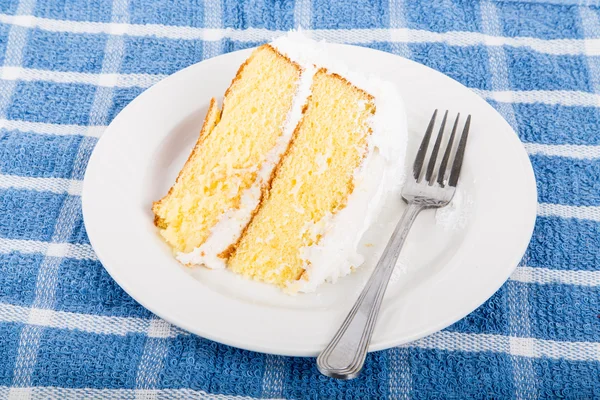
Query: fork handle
x=344, y=356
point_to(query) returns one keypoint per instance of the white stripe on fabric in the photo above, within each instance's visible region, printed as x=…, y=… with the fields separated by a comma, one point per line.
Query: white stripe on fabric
x=44, y=294
x=76, y=251
x=398, y=45
x=546, y=276
x=51, y=392
x=153, y=355
x=54, y=185
x=213, y=19
x=450, y=341
x=564, y=211
x=497, y=60
x=563, y=150
x=113, y=56
x=303, y=15
x=519, y=326
x=52, y=129
x=481, y=342
x=357, y=36
x=551, y=97
x=99, y=324
x=517, y=295
x=13, y=53
x=273, y=377
x=97, y=79
x=400, y=378
x=24, y=393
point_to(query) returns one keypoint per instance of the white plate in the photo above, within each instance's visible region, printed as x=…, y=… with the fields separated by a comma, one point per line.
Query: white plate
x=446, y=273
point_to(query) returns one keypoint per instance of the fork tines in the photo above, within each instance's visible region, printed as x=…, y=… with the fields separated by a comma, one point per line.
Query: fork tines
x=441, y=177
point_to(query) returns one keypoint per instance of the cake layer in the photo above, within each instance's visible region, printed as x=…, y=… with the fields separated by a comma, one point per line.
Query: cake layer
x=224, y=177
x=312, y=183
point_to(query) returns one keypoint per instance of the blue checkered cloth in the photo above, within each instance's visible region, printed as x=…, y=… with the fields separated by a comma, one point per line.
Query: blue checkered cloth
x=69, y=66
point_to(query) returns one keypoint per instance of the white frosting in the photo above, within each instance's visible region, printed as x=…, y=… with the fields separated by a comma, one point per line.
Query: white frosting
x=229, y=228
x=381, y=173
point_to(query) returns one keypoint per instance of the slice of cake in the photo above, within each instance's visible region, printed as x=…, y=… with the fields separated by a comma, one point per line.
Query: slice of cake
x=220, y=186
x=285, y=180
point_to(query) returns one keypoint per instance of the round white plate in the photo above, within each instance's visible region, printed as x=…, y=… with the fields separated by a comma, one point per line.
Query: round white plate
x=444, y=272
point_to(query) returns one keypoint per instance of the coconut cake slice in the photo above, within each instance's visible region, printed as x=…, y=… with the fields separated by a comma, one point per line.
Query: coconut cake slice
x=287, y=177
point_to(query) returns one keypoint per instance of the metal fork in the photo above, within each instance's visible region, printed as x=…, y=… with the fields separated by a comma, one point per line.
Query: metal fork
x=344, y=356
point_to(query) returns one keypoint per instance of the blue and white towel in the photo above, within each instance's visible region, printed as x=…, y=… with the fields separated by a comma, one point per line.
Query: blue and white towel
x=67, y=67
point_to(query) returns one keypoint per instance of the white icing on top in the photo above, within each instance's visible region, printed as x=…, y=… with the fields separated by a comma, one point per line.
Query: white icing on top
x=229, y=228
x=381, y=173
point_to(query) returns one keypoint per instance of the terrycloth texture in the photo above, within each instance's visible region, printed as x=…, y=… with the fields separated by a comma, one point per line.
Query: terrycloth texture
x=69, y=66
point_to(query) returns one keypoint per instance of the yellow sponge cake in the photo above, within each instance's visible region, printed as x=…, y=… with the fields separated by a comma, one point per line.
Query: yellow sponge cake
x=315, y=179
x=233, y=144
x=286, y=178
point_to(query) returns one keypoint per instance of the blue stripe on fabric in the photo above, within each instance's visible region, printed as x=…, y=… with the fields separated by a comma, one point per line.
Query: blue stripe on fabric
x=472, y=70
x=4, y=31
x=85, y=287
x=18, y=274
x=77, y=359
x=564, y=312
x=200, y=364
x=10, y=334
x=351, y=14
x=372, y=383
x=74, y=10
x=556, y=124
x=567, y=181
x=491, y=317
x=550, y=22
x=62, y=51
x=167, y=12
x=151, y=55
x=530, y=70
x=561, y=379
x=9, y=6
x=122, y=97
x=273, y=15
x=233, y=45
x=443, y=15
x=27, y=214
x=30, y=154
x=564, y=244
x=461, y=375
x=58, y=103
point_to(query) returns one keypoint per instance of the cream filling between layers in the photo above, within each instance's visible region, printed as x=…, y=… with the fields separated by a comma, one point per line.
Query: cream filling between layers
x=231, y=225
x=380, y=174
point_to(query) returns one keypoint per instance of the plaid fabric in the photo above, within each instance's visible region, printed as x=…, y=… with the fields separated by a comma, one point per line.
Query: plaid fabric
x=69, y=66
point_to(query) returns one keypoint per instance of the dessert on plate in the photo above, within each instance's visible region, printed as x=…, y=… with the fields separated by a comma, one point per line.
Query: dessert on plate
x=290, y=171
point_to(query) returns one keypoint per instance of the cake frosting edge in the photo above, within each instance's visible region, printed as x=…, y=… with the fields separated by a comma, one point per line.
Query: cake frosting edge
x=379, y=176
